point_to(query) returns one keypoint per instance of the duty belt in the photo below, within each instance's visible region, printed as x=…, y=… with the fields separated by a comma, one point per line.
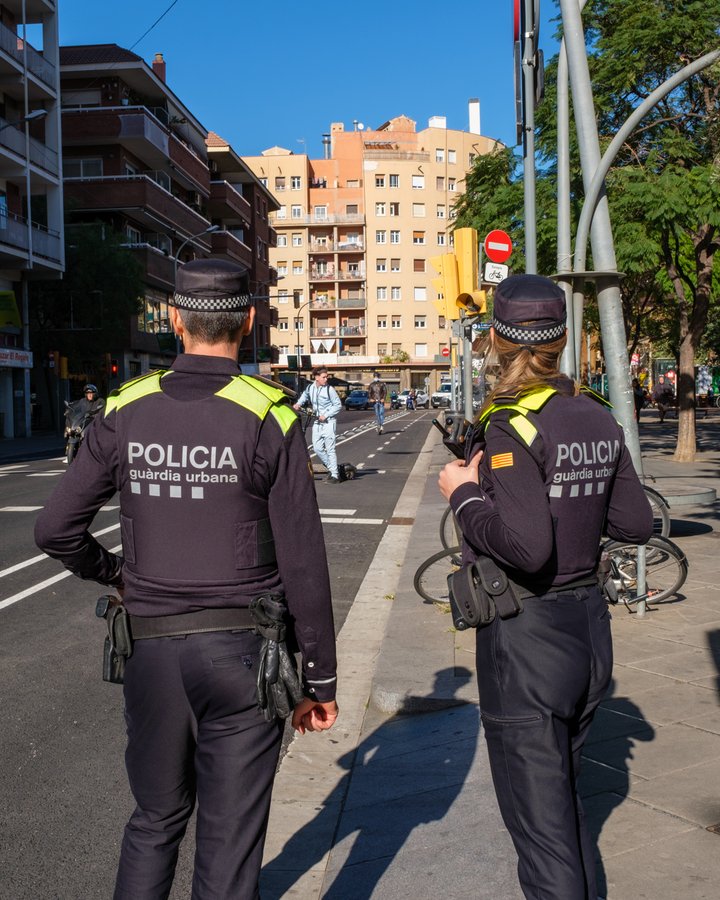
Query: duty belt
x=523, y=593
x=199, y=622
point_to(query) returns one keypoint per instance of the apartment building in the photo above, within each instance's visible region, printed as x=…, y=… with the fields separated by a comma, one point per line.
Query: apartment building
x=355, y=232
x=31, y=204
x=136, y=158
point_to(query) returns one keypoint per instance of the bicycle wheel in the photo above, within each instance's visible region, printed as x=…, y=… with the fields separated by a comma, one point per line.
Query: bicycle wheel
x=430, y=580
x=666, y=568
x=450, y=534
x=660, y=510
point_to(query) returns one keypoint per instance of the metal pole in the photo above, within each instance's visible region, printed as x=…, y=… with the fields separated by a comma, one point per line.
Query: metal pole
x=467, y=371
x=528, y=68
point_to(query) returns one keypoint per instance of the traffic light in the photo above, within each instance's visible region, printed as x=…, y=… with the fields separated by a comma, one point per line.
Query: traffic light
x=446, y=284
x=466, y=253
x=297, y=297
x=114, y=368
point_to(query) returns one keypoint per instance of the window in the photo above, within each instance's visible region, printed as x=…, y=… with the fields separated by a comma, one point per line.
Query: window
x=394, y=237
x=351, y=209
x=381, y=265
x=419, y=293
x=283, y=325
x=379, y=209
x=281, y=213
x=353, y=182
x=394, y=181
x=441, y=321
x=282, y=296
x=421, y=350
x=132, y=234
x=382, y=321
x=441, y=239
x=296, y=212
x=394, y=265
x=418, y=265
x=418, y=209
x=420, y=322
x=283, y=348
x=379, y=181
x=280, y=184
x=397, y=321
x=452, y=157
x=396, y=348
x=451, y=184
x=394, y=209
x=82, y=168
x=453, y=214
x=263, y=181
x=418, y=182
x=439, y=154
x=441, y=211
x=298, y=325
x=382, y=349
x=380, y=237
x=297, y=240
x=440, y=183
x=282, y=268
x=320, y=213
x=395, y=293
x=297, y=267
x=381, y=293
x=353, y=237
x=281, y=240
x=418, y=237
x=295, y=183
x=471, y=159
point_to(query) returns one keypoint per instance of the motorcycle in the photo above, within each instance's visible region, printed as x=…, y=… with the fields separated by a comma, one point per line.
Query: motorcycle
x=76, y=421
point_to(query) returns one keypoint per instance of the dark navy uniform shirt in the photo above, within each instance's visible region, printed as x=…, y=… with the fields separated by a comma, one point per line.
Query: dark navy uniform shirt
x=217, y=503
x=540, y=507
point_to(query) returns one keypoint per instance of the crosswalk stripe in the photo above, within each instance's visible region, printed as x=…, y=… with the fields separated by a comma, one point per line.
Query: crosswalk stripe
x=346, y=521
x=20, y=508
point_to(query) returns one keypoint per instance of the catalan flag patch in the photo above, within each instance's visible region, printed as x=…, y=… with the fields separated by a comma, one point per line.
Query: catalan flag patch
x=501, y=460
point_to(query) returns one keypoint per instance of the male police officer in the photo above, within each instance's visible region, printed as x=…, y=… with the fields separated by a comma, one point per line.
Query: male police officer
x=209, y=463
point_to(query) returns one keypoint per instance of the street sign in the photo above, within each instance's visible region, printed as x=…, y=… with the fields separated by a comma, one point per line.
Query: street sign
x=498, y=246
x=483, y=326
x=445, y=351
x=495, y=272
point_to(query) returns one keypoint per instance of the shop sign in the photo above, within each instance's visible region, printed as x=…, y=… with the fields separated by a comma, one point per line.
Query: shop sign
x=19, y=359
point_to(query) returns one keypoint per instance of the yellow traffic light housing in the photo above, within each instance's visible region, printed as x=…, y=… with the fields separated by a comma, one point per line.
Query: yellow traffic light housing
x=466, y=252
x=446, y=284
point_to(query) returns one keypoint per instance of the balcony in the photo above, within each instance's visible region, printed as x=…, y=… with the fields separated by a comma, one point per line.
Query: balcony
x=15, y=241
x=332, y=275
x=12, y=44
x=159, y=268
x=150, y=203
x=351, y=331
x=13, y=139
x=226, y=202
x=338, y=219
x=143, y=133
x=227, y=245
x=359, y=302
x=337, y=247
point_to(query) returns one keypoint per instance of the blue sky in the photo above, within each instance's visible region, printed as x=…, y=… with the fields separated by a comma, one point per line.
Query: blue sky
x=261, y=74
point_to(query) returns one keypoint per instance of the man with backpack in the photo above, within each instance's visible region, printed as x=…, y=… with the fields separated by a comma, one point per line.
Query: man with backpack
x=325, y=405
x=378, y=392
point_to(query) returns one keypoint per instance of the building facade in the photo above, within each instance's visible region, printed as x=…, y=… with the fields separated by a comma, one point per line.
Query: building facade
x=31, y=202
x=355, y=232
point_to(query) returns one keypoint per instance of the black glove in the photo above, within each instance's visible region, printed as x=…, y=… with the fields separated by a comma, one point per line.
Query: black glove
x=278, y=687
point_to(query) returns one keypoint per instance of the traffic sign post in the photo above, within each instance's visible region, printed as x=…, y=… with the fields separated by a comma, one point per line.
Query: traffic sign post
x=495, y=273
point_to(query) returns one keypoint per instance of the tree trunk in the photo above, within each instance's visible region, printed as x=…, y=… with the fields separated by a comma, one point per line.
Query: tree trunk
x=685, y=449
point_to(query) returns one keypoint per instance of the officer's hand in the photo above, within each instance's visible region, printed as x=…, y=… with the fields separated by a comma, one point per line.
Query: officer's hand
x=459, y=472
x=309, y=715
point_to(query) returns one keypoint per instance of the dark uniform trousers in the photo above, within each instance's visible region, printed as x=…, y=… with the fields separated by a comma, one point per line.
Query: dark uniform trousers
x=541, y=677
x=195, y=731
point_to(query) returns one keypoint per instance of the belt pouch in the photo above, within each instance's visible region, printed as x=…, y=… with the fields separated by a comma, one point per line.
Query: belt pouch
x=117, y=647
x=495, y=582
x=470, y=605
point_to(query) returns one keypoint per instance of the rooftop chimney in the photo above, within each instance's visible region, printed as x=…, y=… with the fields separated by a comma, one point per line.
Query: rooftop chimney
x=474, y=115
x=158, y=65
x=326, y=145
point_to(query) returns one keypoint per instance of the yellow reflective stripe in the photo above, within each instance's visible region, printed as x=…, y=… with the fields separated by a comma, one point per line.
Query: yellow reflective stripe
x=284, y=416
x=535, y=400
x=134, y=390
x=246, y=395
x=524, y=427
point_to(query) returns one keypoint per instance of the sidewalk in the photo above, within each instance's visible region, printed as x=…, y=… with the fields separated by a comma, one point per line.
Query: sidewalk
x=389, y=805
x=41, y=445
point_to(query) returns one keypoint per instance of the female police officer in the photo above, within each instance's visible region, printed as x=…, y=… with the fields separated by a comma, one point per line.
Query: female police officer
x=546, y=469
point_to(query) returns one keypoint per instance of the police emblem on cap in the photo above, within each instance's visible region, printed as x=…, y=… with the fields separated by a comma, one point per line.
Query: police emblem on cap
x=529, y=309
x=212, y=285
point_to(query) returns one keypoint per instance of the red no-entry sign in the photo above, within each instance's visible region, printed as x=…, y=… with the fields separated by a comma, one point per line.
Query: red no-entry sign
x=498, y=246
x=445, y=351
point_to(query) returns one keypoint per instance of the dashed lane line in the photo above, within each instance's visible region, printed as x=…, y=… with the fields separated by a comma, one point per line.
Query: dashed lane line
x=326, y=520
x=20, y=508
x=49, y=474
x=41, y=556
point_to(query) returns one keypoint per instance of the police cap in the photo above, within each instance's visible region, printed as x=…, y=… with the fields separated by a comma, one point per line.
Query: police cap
x=212, y=285
x=529, y=309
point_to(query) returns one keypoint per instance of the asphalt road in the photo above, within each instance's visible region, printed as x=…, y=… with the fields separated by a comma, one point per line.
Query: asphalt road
x=64, y=797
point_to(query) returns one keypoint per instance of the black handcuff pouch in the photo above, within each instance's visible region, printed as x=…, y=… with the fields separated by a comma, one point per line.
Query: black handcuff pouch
x=478, y=592
x=117, y=647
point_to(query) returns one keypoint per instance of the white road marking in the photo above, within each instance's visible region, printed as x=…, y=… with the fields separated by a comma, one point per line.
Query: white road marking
x=328, y=521
x=381, y=471
x=5, y=469
x=45, y=474
x=338, y=512
x=35, y=559
x=360, y=466
x=19, y=508
x=371, y=455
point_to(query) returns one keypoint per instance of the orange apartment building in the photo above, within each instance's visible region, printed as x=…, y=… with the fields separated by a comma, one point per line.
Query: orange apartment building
x=355, y=232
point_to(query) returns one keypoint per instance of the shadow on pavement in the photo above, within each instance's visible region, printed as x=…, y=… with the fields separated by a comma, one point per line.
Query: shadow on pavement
x=405, y=773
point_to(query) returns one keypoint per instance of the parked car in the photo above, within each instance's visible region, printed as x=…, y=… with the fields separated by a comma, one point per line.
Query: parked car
x=357, y=400
x=442, y=396
x=422, y=400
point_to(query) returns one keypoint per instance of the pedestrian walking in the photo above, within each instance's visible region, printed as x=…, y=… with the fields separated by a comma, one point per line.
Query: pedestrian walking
x=638, y=398
x=663, y=396
x=216, y=510
x=325, y=404
x=378, y=392
x=546, y=469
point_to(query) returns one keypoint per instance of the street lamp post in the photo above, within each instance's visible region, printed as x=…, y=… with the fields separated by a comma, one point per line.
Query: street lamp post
x=298, y=347
x=210, y=230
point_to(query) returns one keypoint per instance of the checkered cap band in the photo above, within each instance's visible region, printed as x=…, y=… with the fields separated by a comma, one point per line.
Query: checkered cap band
x=529, y=334
x=212, y=304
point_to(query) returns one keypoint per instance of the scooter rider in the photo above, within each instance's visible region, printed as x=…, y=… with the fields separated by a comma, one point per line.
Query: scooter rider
x=91, y=402
x=546, y=468
x=325, y=403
